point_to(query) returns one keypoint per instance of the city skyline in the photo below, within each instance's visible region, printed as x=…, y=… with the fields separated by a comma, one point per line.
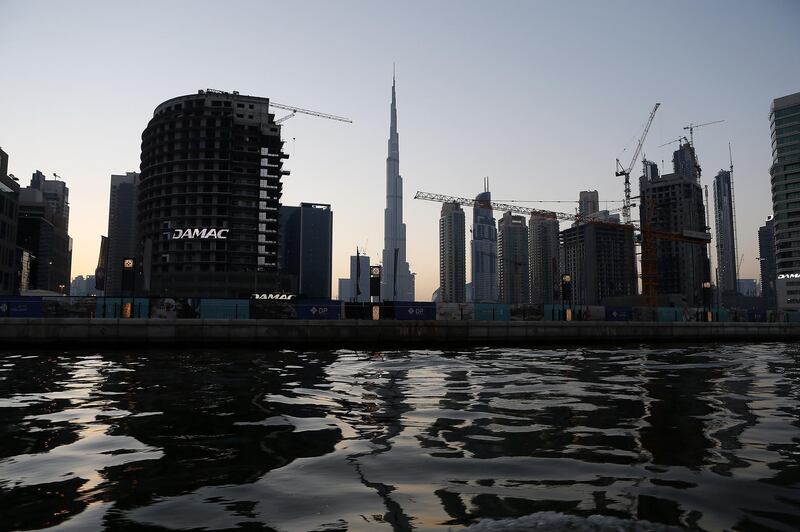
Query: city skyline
x=70, y=106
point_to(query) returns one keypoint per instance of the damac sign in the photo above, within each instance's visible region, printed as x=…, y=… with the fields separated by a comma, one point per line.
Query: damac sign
x=205, y=232
x=273, y=296
x=789, y=276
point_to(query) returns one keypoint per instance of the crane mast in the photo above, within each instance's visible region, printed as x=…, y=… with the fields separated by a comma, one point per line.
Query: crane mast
x=626, y=209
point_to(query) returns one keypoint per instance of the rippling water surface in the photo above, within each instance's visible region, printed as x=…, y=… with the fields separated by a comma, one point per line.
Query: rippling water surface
x=705, y=438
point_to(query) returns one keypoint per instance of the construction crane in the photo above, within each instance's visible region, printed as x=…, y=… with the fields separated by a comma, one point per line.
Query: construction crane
x=626, y=208
x=691, y=127
x=295, y=110
x=552, y=215
x=674, y=141
x=495, y=206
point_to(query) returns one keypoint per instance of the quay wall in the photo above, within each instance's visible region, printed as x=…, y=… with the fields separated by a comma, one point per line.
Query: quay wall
x=386, y=334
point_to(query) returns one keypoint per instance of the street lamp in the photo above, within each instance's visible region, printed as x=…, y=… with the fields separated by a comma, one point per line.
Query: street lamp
x=566, y=290
x=706, y=292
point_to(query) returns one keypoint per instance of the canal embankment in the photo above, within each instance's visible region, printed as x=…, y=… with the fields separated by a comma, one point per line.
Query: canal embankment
x=385, y=334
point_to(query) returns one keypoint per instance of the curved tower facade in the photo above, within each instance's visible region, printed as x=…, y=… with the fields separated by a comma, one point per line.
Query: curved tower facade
x=208, y=197
x=484, y=250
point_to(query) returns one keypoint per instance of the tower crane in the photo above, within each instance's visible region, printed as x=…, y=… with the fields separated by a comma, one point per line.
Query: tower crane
x=626, y=209
x=674, y=141
x=495, y=206
x=295, y=110
x=691, y=127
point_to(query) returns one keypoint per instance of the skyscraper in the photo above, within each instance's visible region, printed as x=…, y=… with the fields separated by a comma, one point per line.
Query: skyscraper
x=726, y=232
x=208, y=196
x=452, y=255
x=9, y=199
x=766, y=257
x=42, y=231
x=306, y=247
x=784, y=120
x=397, y=281
x=121, y=242
x=512, y=259
x=484, y=249
x=673, y=203
x=588, y=202
x=601, y=258
x=543, y=253
x=356, y=287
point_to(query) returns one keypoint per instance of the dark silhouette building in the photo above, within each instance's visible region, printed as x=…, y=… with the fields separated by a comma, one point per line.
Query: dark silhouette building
x=512, y=259
x=208, y=196
x=543, y=254
x=673, y=203
x=42, y=231
x=766, y=257
x=726, y=233
x=484, y=249
x=9, y=201
x=121, y=242
x=452, y=254
x=306, y=247
x=600, y=257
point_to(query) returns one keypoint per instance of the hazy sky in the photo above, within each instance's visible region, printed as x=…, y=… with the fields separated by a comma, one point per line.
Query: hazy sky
x=539, y=96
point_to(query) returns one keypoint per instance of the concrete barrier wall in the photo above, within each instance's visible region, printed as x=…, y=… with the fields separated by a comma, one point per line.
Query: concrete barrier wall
x=380, y=334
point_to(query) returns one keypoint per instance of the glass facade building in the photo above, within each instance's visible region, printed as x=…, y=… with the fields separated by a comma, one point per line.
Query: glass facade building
x=306, y=247
x=784, y=120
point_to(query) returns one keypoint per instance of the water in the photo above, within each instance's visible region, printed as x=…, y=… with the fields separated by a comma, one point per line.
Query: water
x=705, y=437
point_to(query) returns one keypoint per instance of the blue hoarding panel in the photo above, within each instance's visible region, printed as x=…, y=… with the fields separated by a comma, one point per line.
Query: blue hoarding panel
x=318, y=310
x=406, y=310
x=21, y=307
x=619, y=313
x=492, y=311
x=231, y=309
x=668, y=314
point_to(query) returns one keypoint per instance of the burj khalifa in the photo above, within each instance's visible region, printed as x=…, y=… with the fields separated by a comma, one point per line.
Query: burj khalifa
x=397, y=281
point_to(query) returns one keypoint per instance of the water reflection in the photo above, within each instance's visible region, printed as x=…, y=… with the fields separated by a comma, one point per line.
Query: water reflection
x=690, y=437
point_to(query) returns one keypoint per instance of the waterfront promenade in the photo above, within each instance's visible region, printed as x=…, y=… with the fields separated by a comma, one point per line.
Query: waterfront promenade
x=384, y=334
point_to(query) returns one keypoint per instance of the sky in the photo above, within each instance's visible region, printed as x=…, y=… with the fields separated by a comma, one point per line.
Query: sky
x=539, y=96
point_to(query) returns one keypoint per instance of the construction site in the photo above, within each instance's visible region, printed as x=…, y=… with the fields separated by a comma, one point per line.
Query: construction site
x=656, y=267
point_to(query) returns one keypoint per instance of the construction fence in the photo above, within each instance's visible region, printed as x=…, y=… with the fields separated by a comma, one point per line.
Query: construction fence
x=305, y=309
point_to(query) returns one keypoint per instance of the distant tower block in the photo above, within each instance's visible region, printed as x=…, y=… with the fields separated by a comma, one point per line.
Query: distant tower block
x=452, y=255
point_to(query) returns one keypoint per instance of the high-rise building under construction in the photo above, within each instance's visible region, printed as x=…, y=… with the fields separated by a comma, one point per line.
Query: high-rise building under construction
x=208, y=196
x=600, y=257
x=673, y=204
